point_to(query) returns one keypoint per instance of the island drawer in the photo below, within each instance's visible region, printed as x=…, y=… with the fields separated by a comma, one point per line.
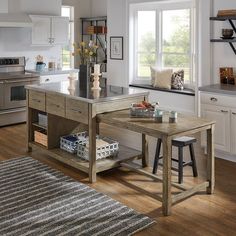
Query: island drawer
x=37, y=100
x=55, y=105
x=77, y=110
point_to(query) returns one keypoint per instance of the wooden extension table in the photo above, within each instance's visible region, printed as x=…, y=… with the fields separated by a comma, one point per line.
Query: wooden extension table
x=166, y=131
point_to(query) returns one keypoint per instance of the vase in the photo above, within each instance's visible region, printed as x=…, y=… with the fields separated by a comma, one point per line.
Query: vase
x=84, y=76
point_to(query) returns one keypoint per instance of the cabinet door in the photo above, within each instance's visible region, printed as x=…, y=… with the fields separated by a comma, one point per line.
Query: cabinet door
x=41, y=30
x=60, y=30
x=53, y=78
x=222, y=129
x=233, y=131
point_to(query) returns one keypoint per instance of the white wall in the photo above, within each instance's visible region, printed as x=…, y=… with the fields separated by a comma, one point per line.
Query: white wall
x=82, y=8
x=99, y=7
x=116, y=24
x=3, y=6
x=222, y=54
x=17, y=41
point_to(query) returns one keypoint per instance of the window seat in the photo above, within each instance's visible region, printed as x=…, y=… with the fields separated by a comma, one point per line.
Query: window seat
x=185, y=91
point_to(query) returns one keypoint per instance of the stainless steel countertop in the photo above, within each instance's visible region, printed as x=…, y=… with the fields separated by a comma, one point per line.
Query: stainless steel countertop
x=53, y=71
x=227, y=89
x=107, y=93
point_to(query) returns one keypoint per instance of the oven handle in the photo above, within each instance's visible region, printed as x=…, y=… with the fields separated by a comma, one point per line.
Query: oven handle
x=19, y=81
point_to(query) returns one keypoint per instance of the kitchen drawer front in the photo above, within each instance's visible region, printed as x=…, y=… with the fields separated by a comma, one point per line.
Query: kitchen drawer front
x=77, y=110
x=55, y=104
x=219, y=100
x=37, y=100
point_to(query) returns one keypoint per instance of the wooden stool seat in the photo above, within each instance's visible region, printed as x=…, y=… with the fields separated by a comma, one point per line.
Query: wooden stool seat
x=183, y=141
x=180, y=142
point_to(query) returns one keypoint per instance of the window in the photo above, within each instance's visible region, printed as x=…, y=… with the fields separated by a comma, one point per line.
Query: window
x=161, y=34
x=67, y=59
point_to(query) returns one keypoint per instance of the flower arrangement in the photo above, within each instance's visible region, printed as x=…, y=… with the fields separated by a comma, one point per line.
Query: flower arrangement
x=85, y=51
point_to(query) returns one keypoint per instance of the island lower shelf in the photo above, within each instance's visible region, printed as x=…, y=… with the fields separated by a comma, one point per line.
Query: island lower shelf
x=125, y=154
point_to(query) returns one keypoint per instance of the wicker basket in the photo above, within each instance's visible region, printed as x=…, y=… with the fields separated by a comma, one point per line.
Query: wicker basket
x=110, y=149
x=70, y=143
x=41, y=137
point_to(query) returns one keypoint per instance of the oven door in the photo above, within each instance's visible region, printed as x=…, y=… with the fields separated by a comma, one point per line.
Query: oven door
x=15, y=93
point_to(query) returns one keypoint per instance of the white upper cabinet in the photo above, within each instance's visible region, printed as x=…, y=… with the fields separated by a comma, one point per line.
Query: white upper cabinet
x=60, y=30
x=41, y=30
x=49, y=30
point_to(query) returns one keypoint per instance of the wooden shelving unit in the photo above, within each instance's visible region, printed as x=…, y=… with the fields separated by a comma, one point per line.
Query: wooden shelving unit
x=73, y=160
x=99, y=38
x=230, y=41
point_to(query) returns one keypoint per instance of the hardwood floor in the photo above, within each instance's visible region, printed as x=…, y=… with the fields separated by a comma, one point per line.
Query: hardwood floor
x=201, y=214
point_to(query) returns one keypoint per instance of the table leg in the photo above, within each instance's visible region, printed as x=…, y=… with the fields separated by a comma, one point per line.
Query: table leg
x=210, y=160
x=166, y=198
x=144, y=151
x=92, y=146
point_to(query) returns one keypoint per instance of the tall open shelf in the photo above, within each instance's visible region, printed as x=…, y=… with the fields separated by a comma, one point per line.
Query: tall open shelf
x=100, y=38
x=231, y=20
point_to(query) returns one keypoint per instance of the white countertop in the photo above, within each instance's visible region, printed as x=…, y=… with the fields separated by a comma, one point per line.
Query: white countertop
x=47, y=71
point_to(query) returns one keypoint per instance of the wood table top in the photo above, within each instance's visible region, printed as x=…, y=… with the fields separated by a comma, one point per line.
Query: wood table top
x=150, y=127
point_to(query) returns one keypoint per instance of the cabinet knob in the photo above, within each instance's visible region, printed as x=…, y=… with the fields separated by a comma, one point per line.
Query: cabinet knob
x=214, y=99
x=224, y=111
x=47, y=79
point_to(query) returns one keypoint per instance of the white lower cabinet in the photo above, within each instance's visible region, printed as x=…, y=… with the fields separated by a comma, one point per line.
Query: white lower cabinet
x=53, y=78
x=222, y=129
x=233, y=131
x=222, y=109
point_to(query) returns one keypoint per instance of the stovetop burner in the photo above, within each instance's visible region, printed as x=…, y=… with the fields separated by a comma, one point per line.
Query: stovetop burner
x=16, y=75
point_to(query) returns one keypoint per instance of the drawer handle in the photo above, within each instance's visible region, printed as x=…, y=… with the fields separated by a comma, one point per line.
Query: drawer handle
x=233, y=113
x=36, y=100
x=47, y=80
x=214, y=99
x=224, y=111
x=76, y=110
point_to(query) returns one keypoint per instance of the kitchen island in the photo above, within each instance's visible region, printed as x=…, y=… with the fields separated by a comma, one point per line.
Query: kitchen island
x=67, y=107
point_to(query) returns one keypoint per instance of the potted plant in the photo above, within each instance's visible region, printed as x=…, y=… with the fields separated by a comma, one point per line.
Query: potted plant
x=86, y=52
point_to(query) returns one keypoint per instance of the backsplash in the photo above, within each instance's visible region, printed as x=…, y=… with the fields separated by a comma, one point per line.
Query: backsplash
x=17, y=42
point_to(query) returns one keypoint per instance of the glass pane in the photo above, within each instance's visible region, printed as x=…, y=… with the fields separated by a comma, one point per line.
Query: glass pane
x=18, y=93
x=144, y=62
x=146, y=42
x=176, y=31
x=65, y=11
x=178, y=62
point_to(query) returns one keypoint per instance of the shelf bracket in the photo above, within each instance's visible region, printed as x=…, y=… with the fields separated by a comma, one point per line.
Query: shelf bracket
x=232, y=46
x=232, y=25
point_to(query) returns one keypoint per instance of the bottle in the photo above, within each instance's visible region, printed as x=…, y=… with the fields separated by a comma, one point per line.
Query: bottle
x=158, y=114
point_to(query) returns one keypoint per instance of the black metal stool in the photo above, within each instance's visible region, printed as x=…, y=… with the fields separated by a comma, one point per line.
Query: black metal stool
x=180, y=143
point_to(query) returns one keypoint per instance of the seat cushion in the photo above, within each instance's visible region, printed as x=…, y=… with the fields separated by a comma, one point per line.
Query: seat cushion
x=161, y=78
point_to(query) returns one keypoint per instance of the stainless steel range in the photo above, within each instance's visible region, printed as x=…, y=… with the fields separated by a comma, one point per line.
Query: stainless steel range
x=13, y=79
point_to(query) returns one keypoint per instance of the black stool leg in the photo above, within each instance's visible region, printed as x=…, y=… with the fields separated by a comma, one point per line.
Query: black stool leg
x=157, y=156
x=194, y=165
x=180, y=176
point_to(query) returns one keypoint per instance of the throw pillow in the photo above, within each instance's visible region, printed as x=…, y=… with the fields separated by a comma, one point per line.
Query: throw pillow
x=177, y=80
x=161, y=78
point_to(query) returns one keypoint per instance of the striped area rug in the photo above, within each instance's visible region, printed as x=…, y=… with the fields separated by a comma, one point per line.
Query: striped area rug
x=37, y=200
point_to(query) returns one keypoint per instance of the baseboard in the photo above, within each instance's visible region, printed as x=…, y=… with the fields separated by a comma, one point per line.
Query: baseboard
x=226, y=156
x=222, y=155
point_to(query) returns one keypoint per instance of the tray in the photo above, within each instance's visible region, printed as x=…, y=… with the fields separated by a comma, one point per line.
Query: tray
x=110, y=149
x=141, y=112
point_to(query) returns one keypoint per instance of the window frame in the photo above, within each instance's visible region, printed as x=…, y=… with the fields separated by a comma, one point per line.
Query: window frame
x=159, y=7
x=71, y=38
